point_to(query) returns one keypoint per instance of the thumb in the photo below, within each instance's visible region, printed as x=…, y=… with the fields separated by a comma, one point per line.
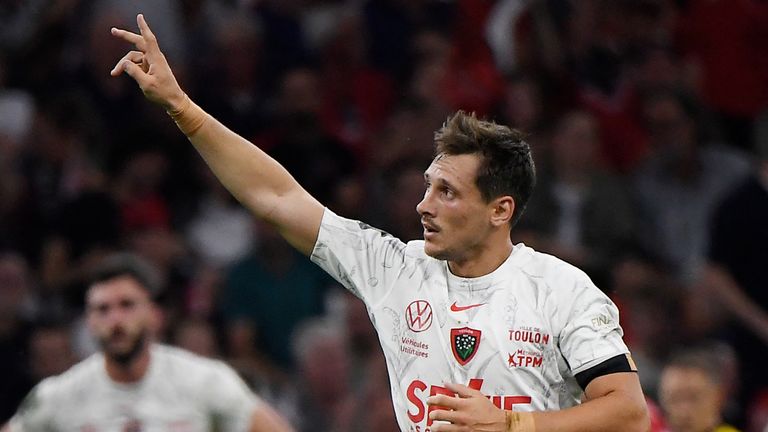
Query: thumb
x=134, y=71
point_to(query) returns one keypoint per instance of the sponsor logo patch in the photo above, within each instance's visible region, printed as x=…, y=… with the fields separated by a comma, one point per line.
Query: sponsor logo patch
x=418, y=315
x=456, y=308
x=525, y=358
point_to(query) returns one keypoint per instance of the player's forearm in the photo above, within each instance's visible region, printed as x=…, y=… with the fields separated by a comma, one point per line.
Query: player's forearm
x=613, y=412
x=259, y=182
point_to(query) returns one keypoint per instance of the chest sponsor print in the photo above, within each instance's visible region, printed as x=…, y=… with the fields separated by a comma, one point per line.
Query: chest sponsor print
x=464, y=343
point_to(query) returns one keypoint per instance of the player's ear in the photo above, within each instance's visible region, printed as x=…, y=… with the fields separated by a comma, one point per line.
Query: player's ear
x=502, y=210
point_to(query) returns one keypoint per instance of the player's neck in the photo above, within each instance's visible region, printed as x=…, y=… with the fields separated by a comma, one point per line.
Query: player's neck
x=130, y=372
x=484, y=261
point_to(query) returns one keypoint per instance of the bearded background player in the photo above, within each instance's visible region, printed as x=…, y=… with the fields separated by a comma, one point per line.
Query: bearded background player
x=134, y=384
x=463, y=306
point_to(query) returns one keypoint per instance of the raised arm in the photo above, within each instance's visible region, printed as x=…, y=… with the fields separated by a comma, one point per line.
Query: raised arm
x=260, y=183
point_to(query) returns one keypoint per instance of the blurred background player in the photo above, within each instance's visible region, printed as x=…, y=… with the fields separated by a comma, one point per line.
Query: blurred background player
x=133, y=383
x=694, y=388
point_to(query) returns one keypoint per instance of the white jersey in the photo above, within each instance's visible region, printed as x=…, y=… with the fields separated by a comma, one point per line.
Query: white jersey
x=519, y=334
x=181, y=392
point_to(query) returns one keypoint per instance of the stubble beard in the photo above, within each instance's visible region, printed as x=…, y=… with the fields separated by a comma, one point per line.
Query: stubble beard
x=125, y=358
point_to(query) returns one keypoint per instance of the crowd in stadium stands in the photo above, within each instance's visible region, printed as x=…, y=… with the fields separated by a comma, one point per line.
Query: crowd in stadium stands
x=648, y=121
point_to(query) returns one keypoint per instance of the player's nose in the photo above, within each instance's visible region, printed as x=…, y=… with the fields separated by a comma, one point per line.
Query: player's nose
x=425, y=206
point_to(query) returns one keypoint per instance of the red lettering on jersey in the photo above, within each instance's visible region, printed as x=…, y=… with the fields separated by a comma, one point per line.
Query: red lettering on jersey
x=475, y=383
x=509, y=401
x=411, y=394
x=535, y=337
x=436, y=390
x=502, y=402
x=496, y=400
x=523, y=358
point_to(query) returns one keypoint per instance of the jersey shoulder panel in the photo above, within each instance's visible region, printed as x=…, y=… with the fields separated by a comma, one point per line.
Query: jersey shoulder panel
x=549, y=267
x=79, y=376
x=186, y=363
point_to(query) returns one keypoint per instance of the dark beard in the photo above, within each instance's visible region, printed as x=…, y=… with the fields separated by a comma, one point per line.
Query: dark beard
x=124, y=359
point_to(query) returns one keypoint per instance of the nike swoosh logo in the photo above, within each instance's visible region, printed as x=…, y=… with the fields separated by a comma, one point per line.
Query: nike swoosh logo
x=457, y=308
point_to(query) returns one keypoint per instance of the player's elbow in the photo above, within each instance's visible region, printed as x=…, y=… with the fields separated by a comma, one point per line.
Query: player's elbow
x=637, y=418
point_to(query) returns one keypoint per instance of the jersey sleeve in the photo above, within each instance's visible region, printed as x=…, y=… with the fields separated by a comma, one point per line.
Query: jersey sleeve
x=365, y=260
x=37, y=410
x=590, y=333
x=230, y=401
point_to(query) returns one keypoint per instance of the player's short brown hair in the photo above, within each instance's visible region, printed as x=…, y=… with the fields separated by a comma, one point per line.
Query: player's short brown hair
x=127, y=264
x=506, y=166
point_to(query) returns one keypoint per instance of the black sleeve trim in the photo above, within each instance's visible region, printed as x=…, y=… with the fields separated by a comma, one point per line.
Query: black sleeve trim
x=620, y=363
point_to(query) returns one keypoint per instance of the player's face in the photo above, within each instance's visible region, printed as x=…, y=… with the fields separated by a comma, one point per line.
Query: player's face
x=453, y=213
x=121, y=316
x=691, y=401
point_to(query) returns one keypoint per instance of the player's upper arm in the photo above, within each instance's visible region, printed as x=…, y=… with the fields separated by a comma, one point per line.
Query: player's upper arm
x=236, y=407
x=298, y=217
x=623, y=384
x=37, y=409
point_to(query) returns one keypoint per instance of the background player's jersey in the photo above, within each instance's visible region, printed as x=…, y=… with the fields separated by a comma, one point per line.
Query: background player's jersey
x=518, y=334
x=181, y=392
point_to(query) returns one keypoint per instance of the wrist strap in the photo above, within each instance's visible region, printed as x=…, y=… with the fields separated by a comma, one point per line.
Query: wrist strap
x=519, y=422
x=188, y=117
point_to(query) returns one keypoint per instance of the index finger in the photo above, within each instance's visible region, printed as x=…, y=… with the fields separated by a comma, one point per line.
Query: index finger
x=444, y=401
x=462, y=390
x=144, y=28
x=128, y=36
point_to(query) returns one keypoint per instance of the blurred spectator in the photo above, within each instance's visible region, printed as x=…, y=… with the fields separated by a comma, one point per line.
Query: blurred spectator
x=50, y=351
x=231, y=86
x=758, y=414
x=17, y=308
x=145, y=217
x=42, y=40
x=275, y=288
x=369, y=385
x=221, y=231
x=197, y=336
x=732, y=65
x=322, y=357
x=349, y=197
x=735, y=281
x=56, y=165
x=644, y=293
x=285, y=44
x=523, y=108
x=406, y=136
x=658, y=424
x=246, y=357
x=403, y=189
x=694, y=389
x=580, y=212
x=299, y=142
x=358, y=98
x=680, y=185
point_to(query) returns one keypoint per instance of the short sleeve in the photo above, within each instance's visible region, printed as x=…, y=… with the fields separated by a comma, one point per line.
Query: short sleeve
x=231, y=402
x=36, y=412
x=365, y=260
x=591, y=332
